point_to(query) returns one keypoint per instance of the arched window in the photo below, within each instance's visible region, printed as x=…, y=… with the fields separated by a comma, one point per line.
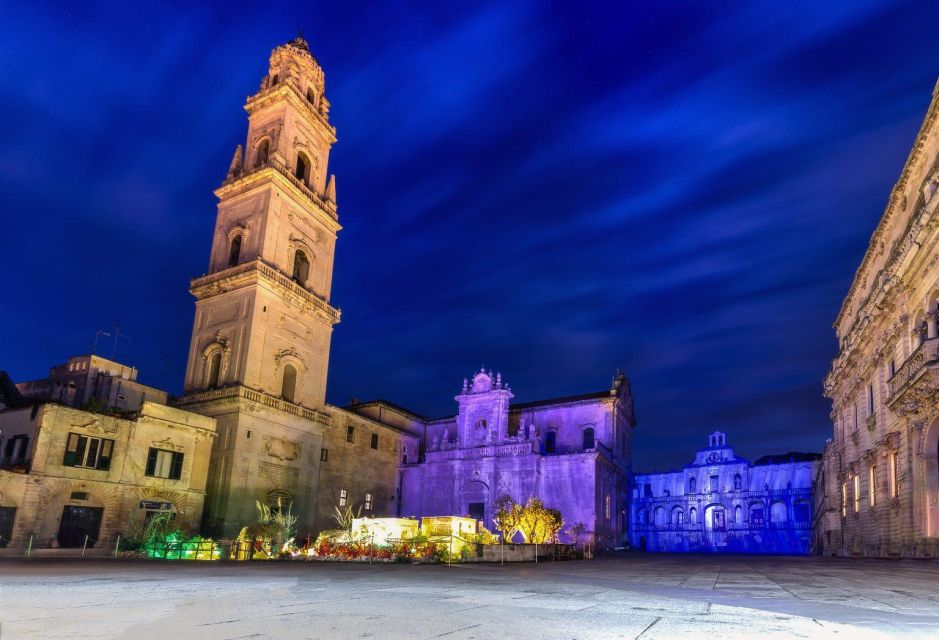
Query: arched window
x=551, y=442
x=693, y=516
x=756, y=514
x=678, y=516
x=778, y=512
x=215, y=367
x=310, y=96
x=738, y=514
x=661, y=517
x=235, y=253
x=303, y=169
x=264, y=149
x=588, y=438
x=301, y=267
x=737, y=482
x=692, y=485
x=289, y=385
x=274, y=80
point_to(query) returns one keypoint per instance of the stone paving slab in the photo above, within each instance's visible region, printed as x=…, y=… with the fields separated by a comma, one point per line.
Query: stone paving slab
x=630, y=596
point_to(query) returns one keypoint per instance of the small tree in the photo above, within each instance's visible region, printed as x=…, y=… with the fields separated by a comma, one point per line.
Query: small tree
x=552, y=521
x=532, y=520
x=507, y=516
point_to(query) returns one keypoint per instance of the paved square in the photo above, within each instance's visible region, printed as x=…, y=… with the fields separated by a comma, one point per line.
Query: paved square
x=629, y=596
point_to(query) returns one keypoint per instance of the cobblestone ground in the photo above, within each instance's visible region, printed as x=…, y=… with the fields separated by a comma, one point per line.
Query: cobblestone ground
x=632, y=596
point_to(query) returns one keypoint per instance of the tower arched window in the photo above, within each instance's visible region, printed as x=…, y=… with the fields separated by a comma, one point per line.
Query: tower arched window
x=301, y=267
x=303, y=169
x=692, y=485
x=310, y=96
x=215, y=368
x=264, y=150
x=274, y=80
x=737, y=482
x=551, y=442
x=589, y=442
x=234, y=254
x=288, y=386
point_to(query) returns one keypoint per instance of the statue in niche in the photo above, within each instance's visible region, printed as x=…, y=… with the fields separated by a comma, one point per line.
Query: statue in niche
x=445, y=440
x=481, y=430
x=434, y=444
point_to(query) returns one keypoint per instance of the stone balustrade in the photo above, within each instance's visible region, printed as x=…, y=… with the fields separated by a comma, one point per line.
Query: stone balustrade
x=915, y=366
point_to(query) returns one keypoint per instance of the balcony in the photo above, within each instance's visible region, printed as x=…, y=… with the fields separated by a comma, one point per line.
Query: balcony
x=19, y=464
x=916, y=377
x=323, y=203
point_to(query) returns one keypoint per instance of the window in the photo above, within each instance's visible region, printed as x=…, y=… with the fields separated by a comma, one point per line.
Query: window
x=802, y=510
x=894, y=474
x=844, y=499
x=303, y=169
x=857, y=493
x=88, y=453
x=717, y=520
x=368, y=502
x=693, y=516
x=738, y=514
x=737, y=482
x=310, y=96
x=301, y=267
x=550, y=442
x=215, y=367
x=350, y=433
x=164, y=464
x=274, y=80
x=324, y=455
x=606, y=507
x=404, y=459
x=892, y=367
x=714, y=483
x=374, y=443
x=756, y=514
x=588, y=438
x=692, y=485
x=234, y=254
x=264, y=150
x=79, y=495
x=15, y=449
x=855, y=415
x=343, y=497
x=872, y=481
x=289, y=385
x=870, y=399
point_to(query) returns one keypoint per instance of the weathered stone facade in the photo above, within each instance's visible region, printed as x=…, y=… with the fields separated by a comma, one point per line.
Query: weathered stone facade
x=878, y=486
x=82, y=473
x=573, y=453
x=723, y=503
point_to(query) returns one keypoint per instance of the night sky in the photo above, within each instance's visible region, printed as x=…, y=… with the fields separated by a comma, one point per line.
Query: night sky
x=682, y=191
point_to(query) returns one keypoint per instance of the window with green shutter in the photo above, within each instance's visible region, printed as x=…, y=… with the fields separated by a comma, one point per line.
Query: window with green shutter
x=86, y=452
x=164, y=464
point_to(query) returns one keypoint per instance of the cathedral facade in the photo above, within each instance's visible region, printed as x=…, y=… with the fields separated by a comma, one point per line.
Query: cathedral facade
x=573, y=453
x=720, y=502
x=878, y=487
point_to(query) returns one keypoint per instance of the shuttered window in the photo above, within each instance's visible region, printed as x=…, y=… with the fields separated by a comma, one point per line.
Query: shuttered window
x=164, y=464
x=88, y=453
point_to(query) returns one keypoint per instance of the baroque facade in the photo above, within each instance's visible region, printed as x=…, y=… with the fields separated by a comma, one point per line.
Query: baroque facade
x=723, y=503
x=878, y=487
x=67, y=473
x=263, y=323
x=573, y=453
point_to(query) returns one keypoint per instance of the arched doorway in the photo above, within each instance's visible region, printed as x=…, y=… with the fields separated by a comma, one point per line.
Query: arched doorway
x=80, y=521
x=474, y=500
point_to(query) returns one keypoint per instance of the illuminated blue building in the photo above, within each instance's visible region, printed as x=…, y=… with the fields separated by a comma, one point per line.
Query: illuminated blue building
x=721, y=503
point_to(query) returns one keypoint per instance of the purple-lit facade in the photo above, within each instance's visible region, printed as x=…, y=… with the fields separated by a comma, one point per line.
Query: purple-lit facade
x=574, y=453
x=723, y=503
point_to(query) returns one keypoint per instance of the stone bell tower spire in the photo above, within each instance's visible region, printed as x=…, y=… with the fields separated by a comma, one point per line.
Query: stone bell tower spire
x=264, y=305
x=263, y=324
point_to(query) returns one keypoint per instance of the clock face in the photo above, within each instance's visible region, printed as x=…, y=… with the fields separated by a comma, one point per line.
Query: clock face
x=714, y=457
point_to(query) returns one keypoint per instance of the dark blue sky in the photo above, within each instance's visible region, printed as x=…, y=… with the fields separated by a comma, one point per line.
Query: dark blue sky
x=553, y=190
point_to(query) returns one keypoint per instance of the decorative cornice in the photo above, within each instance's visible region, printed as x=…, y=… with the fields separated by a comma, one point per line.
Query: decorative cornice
x=256, y=272
x=894, y=202
x=255, y=396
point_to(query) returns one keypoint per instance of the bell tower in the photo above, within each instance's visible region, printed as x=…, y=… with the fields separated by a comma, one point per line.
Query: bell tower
x=263, y=316
x=263, y=323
